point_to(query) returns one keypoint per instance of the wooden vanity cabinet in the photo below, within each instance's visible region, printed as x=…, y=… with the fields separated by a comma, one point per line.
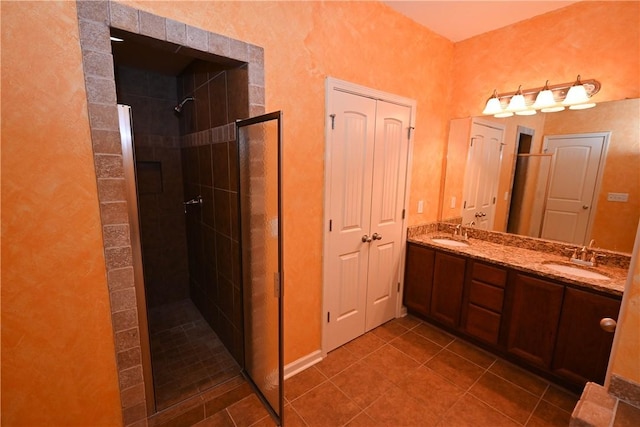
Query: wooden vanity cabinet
x=483, y=301
x=448, y=282
x=418, y=279
x=533, y=308
x=583, y=348
x=550, y=326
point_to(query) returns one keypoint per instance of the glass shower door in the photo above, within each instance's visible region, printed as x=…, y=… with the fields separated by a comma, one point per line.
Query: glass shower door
x=259, y=152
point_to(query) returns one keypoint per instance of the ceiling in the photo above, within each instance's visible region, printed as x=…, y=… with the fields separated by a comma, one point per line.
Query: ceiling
x=460, y=20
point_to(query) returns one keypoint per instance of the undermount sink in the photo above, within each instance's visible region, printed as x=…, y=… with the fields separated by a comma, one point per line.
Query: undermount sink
x=449, y=242
x=576, y=271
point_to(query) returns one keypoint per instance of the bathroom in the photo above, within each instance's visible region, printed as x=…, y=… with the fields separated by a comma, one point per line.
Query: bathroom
x=298, y=55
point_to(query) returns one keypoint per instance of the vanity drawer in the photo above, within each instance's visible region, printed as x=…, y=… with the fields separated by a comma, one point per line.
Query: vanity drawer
x=487, y=296
x=482, y=324
x=489, y=274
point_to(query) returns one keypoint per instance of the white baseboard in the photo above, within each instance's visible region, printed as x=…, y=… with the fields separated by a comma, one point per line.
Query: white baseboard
x=301, y=364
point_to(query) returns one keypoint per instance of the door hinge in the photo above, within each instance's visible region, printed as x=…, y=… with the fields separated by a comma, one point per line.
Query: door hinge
x=409, y=131
x=328, y=316
x=404, y=211
x=277, y=289
x=398, y=287
x=502, y=144
x=330, y=224
x=494, y=200
x=464, y=205
x=333, y=121
x=471, y=142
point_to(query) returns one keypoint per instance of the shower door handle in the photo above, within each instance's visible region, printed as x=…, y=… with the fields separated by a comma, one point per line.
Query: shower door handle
x=195, y=201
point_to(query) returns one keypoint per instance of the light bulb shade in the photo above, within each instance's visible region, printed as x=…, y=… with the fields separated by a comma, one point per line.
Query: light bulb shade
x=544, y=99
x=517, y=103
x=503, y=114
x=553, y=109
x=582, y=106
x=493, y=106
x=527, y=112
x=576, y=95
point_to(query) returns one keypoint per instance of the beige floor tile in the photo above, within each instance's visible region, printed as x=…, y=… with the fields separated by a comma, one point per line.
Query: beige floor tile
x=325, y=405
x=365, y=344
x=302, y=382
x=361, y=420
x=504, y=396
x=471, y=412
x=389, y=330
x=528, y=381
x=247, y=411
x=436, y=393
x=362, y=383
x=561, y=398
x=548, y=415
x=456, y=369
x=471, y=353
x=398, y=408
x=416, y=346
x=336, y=361
x=391, y=363
x=434, y=334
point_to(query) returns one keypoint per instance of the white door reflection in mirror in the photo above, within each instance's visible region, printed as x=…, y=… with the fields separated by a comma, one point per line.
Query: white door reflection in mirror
x=483, y=173
x=576, y=167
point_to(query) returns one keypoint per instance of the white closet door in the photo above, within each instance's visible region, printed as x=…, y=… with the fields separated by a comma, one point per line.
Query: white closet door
x=351, y=152
x=387, y=202
x=368, y=150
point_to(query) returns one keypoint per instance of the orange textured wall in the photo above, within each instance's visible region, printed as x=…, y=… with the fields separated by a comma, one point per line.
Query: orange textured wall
x=362, y=42
x=626, y=347
x=58, y=359
x=58, y=356
x=599, y=40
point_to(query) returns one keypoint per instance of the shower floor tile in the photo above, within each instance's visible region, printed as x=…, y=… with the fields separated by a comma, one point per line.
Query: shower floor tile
x=186, y=355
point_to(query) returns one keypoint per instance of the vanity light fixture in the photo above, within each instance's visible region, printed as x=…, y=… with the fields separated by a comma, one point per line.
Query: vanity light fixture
x=546, y=102
x=517, y=103
x=577, y=97
x=548, y=99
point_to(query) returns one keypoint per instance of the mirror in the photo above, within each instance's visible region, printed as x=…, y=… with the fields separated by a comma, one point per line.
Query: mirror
x=614, y=222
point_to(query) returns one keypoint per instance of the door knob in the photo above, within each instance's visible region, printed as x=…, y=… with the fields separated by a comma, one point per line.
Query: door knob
x=366, y=239
x=376, y=236
x=608, y=324
x=585, y=207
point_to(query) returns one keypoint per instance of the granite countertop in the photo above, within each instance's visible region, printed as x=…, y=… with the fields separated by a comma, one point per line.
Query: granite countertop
x=530, y=261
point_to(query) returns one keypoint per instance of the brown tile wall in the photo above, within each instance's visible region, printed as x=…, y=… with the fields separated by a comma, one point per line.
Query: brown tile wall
x=209, y=164
x=209, y=160
x=152, y=97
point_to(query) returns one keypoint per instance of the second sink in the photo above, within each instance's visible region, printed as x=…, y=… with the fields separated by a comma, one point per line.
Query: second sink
x=449, y=242
x=575, y=271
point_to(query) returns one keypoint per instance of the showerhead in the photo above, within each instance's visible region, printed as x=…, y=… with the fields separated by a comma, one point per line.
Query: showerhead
x=178, y=108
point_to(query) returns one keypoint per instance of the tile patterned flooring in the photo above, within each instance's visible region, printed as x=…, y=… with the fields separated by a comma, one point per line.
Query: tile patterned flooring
x=187, y=356
x=405, y=373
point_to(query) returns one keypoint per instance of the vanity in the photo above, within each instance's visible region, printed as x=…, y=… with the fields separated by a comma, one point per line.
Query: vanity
x=517, y=297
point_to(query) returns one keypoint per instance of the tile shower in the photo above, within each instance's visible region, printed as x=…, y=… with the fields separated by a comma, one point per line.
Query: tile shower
x=190, y=252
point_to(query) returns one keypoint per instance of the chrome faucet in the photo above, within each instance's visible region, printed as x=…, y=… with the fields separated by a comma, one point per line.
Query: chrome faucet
x=586, y=255
x=457, y=231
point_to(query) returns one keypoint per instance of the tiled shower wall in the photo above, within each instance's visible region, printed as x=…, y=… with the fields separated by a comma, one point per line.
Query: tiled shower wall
x=156, y=128
x=209, y=157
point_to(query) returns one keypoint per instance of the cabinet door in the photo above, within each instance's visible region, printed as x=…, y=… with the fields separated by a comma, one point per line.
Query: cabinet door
x=448, y=281
x=533, y=307
x=418, y=279
x=583, y=348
